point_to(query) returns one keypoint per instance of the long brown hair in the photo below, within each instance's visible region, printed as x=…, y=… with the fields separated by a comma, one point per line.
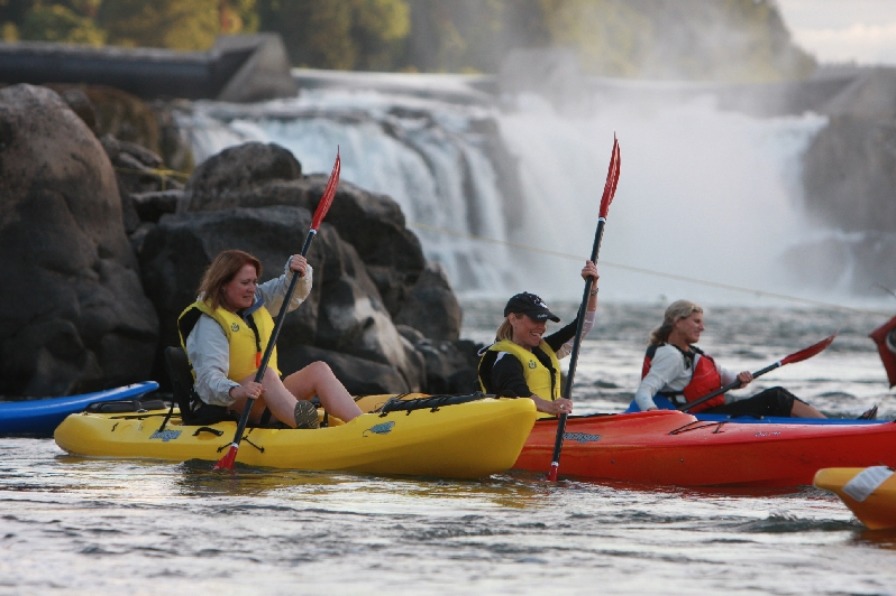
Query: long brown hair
x=221, y=272
x=678, y=310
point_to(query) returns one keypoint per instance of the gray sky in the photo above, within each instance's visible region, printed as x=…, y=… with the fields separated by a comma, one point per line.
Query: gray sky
x=842, y=31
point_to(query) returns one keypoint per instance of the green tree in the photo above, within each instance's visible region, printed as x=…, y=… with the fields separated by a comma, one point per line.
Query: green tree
x=12, y=14
x=349, y=34
x=471, y=35
x=172, y=24
x=378, y=29
x=237, y=16
x=727, y=40
x=54, y=22
x=607, y=34
x=315, y=34
x=722, y=40
x=14, y=11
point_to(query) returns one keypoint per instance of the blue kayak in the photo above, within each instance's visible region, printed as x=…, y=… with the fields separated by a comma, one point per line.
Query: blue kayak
x=40, y=417
x=665, y=404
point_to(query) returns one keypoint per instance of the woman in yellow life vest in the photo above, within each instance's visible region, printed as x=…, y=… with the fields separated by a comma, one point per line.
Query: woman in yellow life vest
x=523, y=362
x=226, y=331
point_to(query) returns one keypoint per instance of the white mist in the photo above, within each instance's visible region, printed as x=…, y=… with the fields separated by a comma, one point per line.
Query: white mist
x=707, y=201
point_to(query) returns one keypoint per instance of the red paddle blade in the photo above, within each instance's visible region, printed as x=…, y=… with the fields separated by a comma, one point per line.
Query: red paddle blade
x=329, y=192
x=226, y=462
x=807, y=353
x=883, y=338
x=612, y=179
x=553, y=471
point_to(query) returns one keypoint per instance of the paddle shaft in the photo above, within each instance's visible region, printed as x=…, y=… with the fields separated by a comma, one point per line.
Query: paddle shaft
x=732, y=385
x=320, y=212
x=574, y=355
x=605, y=200
x=799, y=356
x=266, y=358
x=281, y=316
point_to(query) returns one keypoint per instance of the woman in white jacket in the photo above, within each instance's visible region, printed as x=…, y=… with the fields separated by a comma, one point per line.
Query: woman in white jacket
x=676, y=372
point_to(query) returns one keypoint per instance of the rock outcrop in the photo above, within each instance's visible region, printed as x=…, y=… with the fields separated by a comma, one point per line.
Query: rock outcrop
x=73, y=314
x=103, y=264
x=849, y=179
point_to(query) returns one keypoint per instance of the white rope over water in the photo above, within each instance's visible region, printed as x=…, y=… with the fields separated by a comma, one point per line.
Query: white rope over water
x=642, y=270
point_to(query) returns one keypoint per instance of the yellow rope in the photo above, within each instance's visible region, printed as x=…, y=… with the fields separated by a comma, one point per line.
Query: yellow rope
x=163, y=173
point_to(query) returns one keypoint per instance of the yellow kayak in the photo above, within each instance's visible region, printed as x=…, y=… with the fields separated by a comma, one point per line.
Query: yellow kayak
x=869, y=492
x=436, y=438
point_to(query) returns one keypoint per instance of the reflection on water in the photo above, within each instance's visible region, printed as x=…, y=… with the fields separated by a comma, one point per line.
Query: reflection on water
x=109, y=524
x=197, y=477
x=106, y=526
x=885, y=539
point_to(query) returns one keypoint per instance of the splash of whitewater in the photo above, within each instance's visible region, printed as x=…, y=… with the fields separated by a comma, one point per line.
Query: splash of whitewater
x=707, y=203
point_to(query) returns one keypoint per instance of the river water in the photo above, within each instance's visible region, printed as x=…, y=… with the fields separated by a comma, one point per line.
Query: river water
x=88, y=526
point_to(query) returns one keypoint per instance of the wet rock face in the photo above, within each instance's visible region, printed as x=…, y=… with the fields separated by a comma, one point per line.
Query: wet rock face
x=104, y=254
x=73, y=314
x=849, y=177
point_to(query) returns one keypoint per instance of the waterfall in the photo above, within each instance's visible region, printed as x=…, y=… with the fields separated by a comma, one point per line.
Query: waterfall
x=707, y=202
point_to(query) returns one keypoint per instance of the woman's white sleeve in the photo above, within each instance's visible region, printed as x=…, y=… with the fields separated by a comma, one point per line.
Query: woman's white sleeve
x=729, y=376
x=209, y=354
x=274, y=291
x=665, y=367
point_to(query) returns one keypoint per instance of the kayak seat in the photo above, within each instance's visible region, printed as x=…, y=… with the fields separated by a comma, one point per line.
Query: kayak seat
x=126, y=405
x=193, y=411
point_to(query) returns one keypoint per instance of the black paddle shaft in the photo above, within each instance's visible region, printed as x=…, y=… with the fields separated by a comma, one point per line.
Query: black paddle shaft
x=577, y=342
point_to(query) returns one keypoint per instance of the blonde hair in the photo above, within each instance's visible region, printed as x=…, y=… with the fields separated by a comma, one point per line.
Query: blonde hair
x=221, y=272
x=678, y=310
x=505, y=331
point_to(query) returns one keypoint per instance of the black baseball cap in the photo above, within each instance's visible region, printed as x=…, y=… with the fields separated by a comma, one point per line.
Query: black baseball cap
x=530, y=305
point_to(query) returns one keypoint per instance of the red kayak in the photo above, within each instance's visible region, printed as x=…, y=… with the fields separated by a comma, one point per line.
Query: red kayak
x=669, y=447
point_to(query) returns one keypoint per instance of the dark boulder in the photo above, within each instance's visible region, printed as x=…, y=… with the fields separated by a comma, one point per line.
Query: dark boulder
x=248, y=175
x=258, y=175
x=431, y=306
x=73, y=315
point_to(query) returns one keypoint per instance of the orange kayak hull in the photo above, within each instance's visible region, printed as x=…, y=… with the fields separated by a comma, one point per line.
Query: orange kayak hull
x=668, y=447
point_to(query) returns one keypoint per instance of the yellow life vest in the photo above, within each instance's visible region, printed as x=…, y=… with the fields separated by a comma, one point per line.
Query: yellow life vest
x=246, y=348
x=538, y=377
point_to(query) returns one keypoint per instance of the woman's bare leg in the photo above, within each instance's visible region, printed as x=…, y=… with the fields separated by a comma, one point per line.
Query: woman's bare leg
x=280, y=396
x=318, y=379
x=803, y=410
x=276, y=397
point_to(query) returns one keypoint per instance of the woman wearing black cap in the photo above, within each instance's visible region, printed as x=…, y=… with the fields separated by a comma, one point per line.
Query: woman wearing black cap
x=523, y=362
